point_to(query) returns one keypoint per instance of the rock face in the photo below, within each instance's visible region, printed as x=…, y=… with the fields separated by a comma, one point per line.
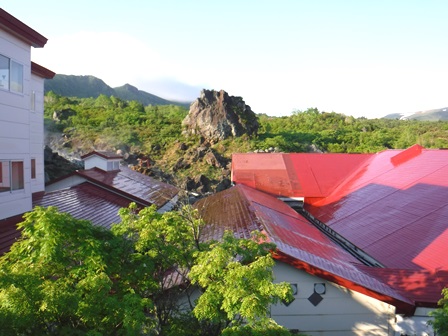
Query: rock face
x=57, y=166
x=216, y=116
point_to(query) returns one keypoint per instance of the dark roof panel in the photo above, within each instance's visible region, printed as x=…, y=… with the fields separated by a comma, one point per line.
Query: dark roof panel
x=85, y=201
x=103, y=154
x=132, y=184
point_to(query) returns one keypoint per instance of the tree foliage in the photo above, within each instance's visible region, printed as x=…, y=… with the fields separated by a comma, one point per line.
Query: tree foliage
x=237, y=281
x=440, y=315
x=66, y=276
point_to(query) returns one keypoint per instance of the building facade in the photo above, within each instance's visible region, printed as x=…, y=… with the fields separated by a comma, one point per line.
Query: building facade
x=21, y=116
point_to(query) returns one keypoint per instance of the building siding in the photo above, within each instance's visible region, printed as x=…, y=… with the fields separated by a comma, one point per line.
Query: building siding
x=341, y=312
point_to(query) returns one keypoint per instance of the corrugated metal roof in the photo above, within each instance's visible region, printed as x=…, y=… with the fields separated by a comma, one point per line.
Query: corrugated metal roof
x=394, y=209
x=132, y=184
x=294, y=175
x=422, y=286
x=85, y=201
x=242, y=210
x=393, y=204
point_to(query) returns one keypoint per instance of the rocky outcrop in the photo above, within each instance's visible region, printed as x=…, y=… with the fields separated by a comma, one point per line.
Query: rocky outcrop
x=57, y=166
x=216, y=116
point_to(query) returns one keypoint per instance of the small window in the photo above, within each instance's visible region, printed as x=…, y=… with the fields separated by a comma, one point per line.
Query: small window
x=16, y=77
x=4, y=72
x=11, y=75
x=17, y=180
x=33, y=169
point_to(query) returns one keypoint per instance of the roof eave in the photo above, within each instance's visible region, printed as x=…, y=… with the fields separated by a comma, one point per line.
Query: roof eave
x=41, y=71
x=21, y=30
x=402, y=307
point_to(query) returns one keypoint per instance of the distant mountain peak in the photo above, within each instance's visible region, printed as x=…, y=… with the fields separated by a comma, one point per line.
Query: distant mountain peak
x=90, y=86
x=428, y=115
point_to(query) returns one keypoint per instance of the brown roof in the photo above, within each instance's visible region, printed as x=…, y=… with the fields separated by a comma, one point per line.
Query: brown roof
x=85, y=201
x=134, y=185
x=103, y=154
x=17, y=28
x=299, y=243
x=40, y=71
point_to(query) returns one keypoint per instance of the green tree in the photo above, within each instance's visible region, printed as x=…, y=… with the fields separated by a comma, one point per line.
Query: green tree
x=440, y=322
x=66, y=276
x=237, y=282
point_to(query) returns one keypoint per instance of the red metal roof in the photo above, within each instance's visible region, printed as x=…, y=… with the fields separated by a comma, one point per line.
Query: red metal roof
x=294, y=175
x=85, y=201
x=393, y=204
x=422, y=286
x=242, y=210
x=395, y=208
x=140, y=187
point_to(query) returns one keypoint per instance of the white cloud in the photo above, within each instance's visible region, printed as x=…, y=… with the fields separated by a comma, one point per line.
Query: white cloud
x=114, y=57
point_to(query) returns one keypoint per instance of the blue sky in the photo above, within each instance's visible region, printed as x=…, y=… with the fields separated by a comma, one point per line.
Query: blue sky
x=360, y=57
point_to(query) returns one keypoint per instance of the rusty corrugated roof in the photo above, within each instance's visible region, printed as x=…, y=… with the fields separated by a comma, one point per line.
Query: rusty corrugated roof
x=242, y=210
x=132, y=184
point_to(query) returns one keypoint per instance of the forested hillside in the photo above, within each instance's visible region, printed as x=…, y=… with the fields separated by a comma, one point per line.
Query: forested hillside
x=110, y=123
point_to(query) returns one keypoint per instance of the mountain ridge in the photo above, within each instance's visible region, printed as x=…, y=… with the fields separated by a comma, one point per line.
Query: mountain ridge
x=87, y=86
x=440, y=114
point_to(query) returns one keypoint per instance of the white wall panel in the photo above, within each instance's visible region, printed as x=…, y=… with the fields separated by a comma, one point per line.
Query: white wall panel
x=341, y=312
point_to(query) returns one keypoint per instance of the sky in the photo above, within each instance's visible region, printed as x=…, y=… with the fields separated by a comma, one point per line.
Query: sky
x=365, y=58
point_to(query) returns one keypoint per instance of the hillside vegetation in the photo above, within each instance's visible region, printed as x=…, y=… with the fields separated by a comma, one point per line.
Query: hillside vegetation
x=110, y=123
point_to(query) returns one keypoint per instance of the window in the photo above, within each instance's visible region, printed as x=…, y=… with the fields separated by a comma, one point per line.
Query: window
x=16, y=81
x=11, y=176
x=4, y=72
x=33, y=168
x=11, y=75
x=17, y=181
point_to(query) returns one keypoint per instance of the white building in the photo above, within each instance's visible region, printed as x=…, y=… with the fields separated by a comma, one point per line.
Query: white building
x=21, y=116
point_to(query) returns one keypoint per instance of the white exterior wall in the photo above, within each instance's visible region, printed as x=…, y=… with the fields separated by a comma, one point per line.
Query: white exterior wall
x=99, y=162
x=65, y=183
x=15, y=125
x=342, y=312
x=37, y=132
x=415, y=325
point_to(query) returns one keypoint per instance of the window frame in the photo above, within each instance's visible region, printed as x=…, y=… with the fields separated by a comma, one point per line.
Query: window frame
x=14, y=83
x=33, y=168
x=15, y=181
